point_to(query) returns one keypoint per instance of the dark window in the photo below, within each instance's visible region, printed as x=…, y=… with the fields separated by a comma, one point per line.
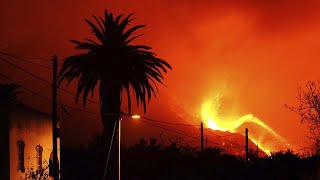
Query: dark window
x=21, y=146
x=39, y=150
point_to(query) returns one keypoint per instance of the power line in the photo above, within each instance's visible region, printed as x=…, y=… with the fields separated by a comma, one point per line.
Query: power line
x=165, y=128
x=67, y=91
x=31, y=74
x=46, y=98
x=43, y=80
x=225, y=139
x=177, y=124
x=77, y=109
x=23, y=59
x=163, y=122
x=34, y=93
x=149, y=119
x=177, y=132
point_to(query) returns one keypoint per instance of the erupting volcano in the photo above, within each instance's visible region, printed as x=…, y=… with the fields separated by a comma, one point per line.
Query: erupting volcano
x=263, y=135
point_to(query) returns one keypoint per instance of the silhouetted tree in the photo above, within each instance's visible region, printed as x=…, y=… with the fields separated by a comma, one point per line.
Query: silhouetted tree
x=150, y=160
x=309, y=109
x=116, y=66
x=212, y=152
x=8, y=94
x=284, y=155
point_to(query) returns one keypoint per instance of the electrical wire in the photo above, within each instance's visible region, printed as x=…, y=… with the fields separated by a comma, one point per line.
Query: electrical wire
x=69, y=92
x=46, y=98
x=41, y=79
x=27, y=72
x=177, y=124
x=174, y=131
x=224, y=138
x=186, y=135
x=23, y=59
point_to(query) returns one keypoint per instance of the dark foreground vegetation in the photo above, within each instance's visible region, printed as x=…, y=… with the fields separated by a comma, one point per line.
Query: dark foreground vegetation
x=150, y=160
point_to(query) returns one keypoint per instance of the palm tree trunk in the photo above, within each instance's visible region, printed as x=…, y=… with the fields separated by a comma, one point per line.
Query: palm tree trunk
x=110, y=112
x=4, y=142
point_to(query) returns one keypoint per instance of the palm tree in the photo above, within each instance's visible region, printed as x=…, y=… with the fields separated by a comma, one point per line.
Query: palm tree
x=115, y=65
x=8, y=94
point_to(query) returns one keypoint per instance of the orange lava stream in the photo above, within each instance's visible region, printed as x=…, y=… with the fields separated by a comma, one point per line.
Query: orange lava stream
x=210, y=116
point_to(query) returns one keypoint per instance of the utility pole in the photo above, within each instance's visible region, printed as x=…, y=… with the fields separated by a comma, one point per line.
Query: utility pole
x=247, y=146
x=55, y=165
x=201, y=136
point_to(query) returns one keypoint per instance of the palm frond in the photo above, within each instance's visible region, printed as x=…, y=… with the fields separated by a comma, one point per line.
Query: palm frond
x=129, y=32
x=115, y=61
x=9, y=93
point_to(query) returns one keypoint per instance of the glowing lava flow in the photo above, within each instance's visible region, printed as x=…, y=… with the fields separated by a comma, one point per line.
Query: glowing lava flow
x=210, y=116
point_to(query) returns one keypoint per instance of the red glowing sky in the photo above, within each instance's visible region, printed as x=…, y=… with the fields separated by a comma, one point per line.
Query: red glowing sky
x=256, y=51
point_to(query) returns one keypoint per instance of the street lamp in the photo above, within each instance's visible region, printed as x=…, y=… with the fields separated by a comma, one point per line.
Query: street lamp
x=135, y=116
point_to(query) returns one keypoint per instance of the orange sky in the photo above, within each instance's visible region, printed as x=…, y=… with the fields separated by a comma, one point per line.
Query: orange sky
x=255, y=52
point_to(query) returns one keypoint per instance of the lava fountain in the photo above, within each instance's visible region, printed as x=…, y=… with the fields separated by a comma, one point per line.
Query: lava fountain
x=210, y=116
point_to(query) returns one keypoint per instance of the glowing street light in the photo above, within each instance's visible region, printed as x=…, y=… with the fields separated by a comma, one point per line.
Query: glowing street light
x=134, y=116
